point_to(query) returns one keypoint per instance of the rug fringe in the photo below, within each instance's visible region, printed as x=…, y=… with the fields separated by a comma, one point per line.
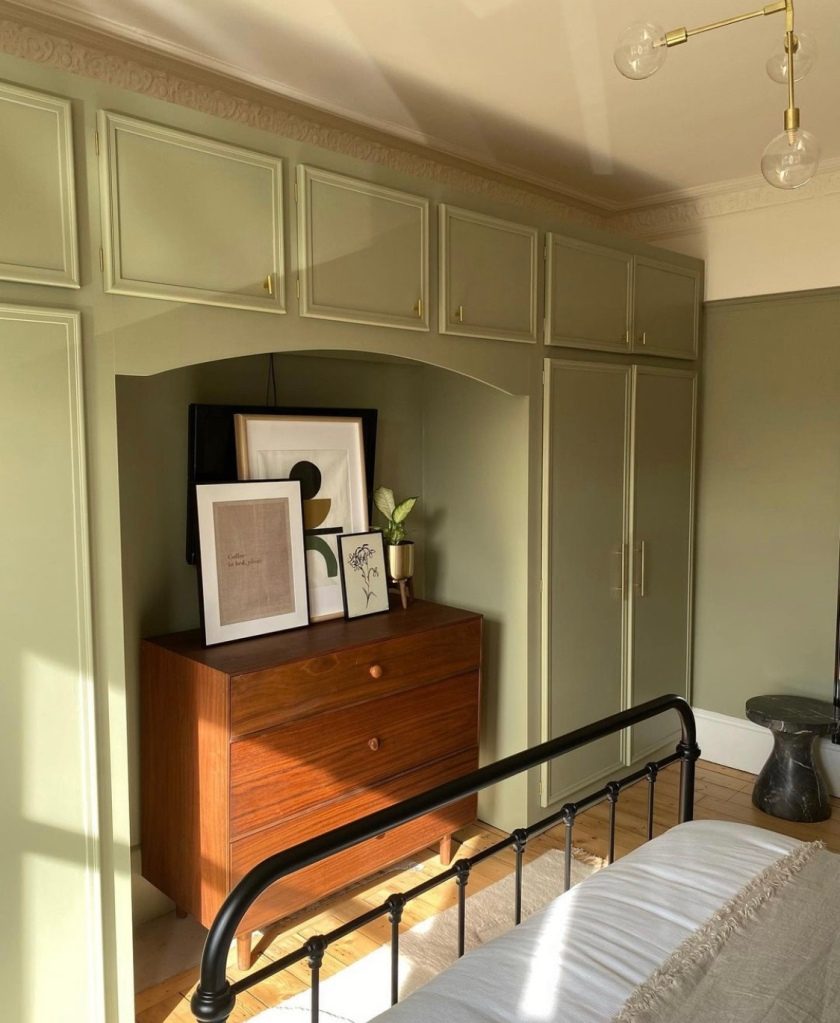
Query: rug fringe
x=701, y=946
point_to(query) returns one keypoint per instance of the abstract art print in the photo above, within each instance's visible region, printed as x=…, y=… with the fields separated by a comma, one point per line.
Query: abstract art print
x=253, y=565
x=364, y=580
x=326, y=457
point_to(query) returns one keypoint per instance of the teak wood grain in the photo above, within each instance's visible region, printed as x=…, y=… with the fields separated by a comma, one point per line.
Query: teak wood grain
x=184, y=769
x=283, y=770
x=260, y=699
x=247, y=748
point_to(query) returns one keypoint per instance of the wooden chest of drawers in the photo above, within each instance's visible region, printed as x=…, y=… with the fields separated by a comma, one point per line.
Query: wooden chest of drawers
x=253, y=746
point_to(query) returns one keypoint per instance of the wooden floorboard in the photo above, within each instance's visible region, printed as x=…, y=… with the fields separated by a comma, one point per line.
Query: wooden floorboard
x=722, y=793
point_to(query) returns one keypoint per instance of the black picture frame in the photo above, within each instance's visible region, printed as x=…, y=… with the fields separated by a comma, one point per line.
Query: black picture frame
x=342, y=540
x=211, y=450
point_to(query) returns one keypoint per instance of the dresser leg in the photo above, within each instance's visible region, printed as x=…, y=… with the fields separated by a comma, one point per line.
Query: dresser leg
x=446, y=850
x=180, y=913
x=243, y=951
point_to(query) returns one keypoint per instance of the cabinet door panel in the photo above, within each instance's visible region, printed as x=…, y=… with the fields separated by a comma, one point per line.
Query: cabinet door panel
x=191, y=220
x=588, y=295
x=37, y=193
x=50, y=846
x=663, y=485
x=488, y=277
x=666, y=309
x=363, y=251
x=584, y=596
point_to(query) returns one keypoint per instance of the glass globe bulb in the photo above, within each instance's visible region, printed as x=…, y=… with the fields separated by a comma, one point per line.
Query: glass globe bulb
x=640, y=51
x=790, y=159
x=804, y=59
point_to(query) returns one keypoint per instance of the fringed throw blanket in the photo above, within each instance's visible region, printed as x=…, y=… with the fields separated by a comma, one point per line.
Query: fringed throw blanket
x=770, y=955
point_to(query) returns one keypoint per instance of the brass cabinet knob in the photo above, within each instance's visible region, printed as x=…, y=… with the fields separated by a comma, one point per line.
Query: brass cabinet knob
x=375, y=671
x=373, y=744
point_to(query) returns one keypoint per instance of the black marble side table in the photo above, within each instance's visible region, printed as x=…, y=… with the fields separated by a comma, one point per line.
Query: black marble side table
x=790, y=784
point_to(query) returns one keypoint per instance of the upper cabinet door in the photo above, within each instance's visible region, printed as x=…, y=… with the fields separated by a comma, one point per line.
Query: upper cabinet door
x=363, y=251
x=38, y=242
x=189, y=219
x=488, y=276
x=587, y=295
x=666, y=309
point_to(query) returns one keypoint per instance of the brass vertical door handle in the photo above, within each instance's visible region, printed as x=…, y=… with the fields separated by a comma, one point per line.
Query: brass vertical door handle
x=268, y=284
x=419, y=308
x=459, y=316
x=643, y=337
x=642, y=568
x=621, y=552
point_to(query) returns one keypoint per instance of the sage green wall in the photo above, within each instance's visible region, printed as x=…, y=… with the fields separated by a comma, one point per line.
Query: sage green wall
x=768, y=500
x=475, y=502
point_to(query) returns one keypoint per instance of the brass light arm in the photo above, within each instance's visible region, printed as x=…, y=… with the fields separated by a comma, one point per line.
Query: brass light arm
x=682, y=35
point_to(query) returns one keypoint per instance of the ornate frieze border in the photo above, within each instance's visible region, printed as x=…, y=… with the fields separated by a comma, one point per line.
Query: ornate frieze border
x=91, y=59
x=686, y=212
x=46, y=40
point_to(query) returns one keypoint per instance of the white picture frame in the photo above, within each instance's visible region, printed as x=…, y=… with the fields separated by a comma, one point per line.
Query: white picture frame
x=327, y=456
x=252, y=564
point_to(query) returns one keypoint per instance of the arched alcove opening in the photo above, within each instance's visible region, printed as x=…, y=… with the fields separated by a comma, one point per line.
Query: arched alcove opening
x=459, y=443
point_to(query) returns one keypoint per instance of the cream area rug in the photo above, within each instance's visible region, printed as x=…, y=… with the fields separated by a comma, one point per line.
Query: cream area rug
x=362, y=990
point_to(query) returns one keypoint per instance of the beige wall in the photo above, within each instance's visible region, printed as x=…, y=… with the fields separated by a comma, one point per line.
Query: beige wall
x=769, y=501
x=783, y=247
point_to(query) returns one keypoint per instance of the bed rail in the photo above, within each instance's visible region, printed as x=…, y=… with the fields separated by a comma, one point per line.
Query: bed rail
x=214, y=998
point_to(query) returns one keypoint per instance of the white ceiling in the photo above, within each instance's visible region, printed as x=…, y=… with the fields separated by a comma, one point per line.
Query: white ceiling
x=521, y=85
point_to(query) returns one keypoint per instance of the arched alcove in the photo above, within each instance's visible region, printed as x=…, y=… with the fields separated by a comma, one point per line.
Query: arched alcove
x=459, y=443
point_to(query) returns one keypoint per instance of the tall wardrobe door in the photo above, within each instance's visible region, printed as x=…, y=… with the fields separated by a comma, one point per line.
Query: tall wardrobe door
x=587, y=414
x=49, y=852
x=662, y=527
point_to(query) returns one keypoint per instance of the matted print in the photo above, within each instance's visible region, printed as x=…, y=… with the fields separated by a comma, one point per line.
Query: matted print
x=326, y=456
x=364, y=579
x=253, y=566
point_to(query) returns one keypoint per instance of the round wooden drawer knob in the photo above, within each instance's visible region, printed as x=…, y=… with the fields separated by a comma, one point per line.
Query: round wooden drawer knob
x=375, y=671
x=373, y=744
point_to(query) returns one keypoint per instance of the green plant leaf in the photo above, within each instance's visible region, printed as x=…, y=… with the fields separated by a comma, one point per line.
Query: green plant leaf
x=383, y=498
x=403, y=508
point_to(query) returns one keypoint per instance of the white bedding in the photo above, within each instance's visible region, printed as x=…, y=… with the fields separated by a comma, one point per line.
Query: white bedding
x=578, y=960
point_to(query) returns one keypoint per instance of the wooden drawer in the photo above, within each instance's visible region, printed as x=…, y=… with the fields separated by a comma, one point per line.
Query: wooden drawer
x=312, y=883
x=285, y=770
x=262, y=699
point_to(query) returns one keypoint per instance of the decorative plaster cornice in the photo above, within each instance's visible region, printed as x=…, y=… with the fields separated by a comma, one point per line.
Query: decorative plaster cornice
x=686, y=211
x=129, y=67
x=48, y=40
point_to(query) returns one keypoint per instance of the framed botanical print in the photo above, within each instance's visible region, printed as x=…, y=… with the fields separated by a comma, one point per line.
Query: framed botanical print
x=326, y=456
x=252, y=566
x=364, y=580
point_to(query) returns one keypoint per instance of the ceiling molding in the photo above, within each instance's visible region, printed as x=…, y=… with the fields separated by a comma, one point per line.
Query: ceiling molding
x=46, y=40
x=685, y=211
x=44, y=37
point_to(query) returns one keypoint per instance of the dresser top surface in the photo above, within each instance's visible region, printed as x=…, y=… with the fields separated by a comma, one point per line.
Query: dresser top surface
x=247, y=655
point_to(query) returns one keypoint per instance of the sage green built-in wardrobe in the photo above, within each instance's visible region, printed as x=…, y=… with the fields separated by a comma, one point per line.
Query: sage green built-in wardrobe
x=172, y=244
x=619, y=481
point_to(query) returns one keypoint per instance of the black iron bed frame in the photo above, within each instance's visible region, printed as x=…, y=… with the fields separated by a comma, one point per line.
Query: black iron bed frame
x=215, y=998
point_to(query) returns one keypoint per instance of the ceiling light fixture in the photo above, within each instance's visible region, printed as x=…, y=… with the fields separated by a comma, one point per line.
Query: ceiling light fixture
x=791, y=158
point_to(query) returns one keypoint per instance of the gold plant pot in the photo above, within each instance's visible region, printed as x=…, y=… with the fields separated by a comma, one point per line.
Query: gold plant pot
x=401, y=560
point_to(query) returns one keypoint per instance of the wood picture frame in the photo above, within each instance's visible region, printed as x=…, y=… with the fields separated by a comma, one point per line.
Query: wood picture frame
x=364, y=574
x=252, y=564
x=326, y=455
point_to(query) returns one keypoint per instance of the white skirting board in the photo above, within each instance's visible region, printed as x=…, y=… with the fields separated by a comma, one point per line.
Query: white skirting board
x=738, y=743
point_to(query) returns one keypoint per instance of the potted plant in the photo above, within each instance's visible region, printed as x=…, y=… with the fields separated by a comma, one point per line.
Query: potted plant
x=400, y=551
